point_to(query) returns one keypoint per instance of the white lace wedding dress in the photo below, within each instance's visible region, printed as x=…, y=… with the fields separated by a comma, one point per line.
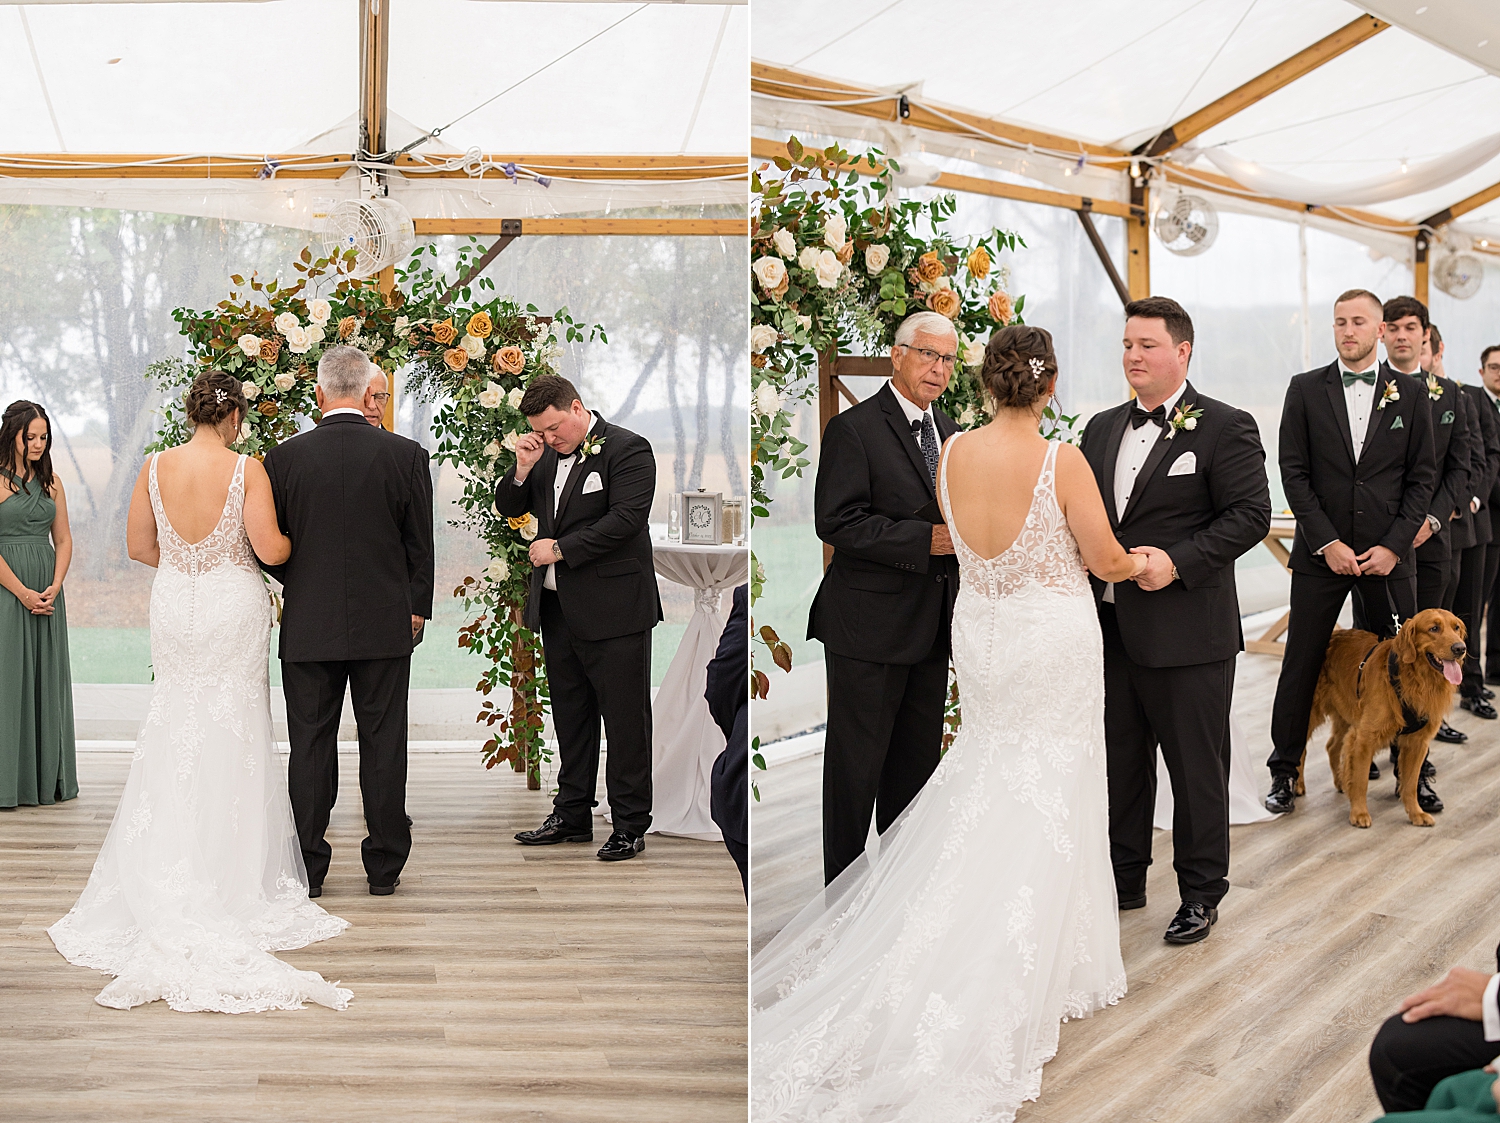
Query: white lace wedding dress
x=201, y=874
x=929, y=983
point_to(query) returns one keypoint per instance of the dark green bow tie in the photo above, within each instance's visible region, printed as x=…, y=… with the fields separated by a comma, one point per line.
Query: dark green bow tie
x=1368, y=376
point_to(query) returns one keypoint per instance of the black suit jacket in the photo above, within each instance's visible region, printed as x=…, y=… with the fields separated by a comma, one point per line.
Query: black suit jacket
x=1204, y=519
x=606, y=582
x=1380, y=501
x=1452, y=451
x=885, y=594
x=1484, y=469
x=356, y=502
x=728, y=695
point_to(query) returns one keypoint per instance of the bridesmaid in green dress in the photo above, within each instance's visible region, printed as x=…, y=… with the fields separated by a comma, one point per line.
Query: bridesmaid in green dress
x=37, y=763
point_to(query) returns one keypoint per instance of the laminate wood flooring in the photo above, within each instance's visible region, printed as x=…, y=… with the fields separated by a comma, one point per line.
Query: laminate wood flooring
x=499, y=982
x=1324, y=930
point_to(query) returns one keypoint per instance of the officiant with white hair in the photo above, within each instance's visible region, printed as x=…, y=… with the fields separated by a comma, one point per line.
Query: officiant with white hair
x=886, y=601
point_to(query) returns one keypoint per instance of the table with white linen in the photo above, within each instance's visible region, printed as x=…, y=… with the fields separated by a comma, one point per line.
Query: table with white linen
x=685, y=739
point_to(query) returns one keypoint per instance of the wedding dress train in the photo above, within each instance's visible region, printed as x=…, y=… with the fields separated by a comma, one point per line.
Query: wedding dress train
x=929, y=983
x=201, y=874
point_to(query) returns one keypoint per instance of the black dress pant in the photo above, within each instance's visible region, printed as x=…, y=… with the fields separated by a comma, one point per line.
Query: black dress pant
x=884, y=740
x=1468, y=606
x=314, y=698
x=1407, y=1061
x=590, y=680
x=1434, y=582
x=1185, y=711
x=1317, y=600
x=1492, y=612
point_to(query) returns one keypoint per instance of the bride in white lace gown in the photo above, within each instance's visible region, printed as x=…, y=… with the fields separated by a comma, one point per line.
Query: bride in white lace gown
x=200, y=877
x=928, y=983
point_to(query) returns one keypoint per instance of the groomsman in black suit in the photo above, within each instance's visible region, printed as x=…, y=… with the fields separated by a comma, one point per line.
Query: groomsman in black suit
x=594, y=599
x=1358, y=471
x=884, y=607
x=1487, y=394
x=1185, y=473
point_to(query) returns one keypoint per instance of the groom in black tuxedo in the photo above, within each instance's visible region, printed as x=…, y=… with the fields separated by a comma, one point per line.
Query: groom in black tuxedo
x=594, y=600
x=1358, y=469
x=884, y=607
x=1178, y=469
x=355, y=500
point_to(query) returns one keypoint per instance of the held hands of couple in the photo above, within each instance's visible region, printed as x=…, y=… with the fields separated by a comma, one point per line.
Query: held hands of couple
x=1459, y=995
x=1156, y=571
x=942, y=540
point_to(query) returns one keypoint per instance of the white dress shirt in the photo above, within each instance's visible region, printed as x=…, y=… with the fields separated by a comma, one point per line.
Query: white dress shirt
x=1359, y=399
x=344, y=409
x=913, y=412
x=1491, y=1010
x=564, y=470
x=1135, y=446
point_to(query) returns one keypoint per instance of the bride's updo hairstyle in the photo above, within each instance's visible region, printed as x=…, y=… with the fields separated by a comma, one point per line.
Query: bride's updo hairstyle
x=1020, y=368
x=213, y=398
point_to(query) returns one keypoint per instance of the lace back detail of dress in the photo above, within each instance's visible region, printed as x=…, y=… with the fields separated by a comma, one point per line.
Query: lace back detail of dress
x=1045, y=553
x=227, y=543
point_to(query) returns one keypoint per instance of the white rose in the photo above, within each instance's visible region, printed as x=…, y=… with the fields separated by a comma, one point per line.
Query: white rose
x=828, y=270
x=967, y=417
x=298, y=340
x=473, y=345
x=769, y=271
x=808, y=258
x=1190, y=423
x=250, y=345
x=806, y=322
x=529, y=528
x=762, y=336
x=318, y=311
x=973, y=353
x=314, y=333
x=285, y=380
x=514, y=397
x=835, y=231
x=786, y=245
x=509, y=442
x=876, y=257
x=286, y=322
x=492, y=450
x=401, y=324
x=491, y=396
x=767, y=399
x=251, y=390
x=245, y=431
x=497, y=570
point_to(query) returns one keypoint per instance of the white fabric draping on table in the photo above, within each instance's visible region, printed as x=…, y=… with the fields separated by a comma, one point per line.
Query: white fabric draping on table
x=685, y=740
x=1244, y=793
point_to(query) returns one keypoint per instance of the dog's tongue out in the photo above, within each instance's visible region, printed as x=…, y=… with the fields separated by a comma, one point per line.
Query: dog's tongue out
x=1452, y=671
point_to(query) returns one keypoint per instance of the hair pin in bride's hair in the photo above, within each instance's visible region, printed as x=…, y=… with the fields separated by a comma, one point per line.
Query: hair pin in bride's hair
x=220, y=397
x=1037, y=366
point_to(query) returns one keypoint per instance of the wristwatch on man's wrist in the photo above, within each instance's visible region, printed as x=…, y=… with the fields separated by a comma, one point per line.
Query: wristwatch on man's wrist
x=556, y=550
x=1175, y=575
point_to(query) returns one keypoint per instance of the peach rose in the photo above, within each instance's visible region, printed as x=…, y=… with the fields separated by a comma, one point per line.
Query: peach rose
x=347, y=327
x=305, y=371
x=1001, y=309
x=445, y=333
x=480, y=325
x=269, y=349
x=979, y=263
x=929, y=268
x=510, y=360
x=944, y=302
x=268, y=409
x=845, y=253
x=456, y=358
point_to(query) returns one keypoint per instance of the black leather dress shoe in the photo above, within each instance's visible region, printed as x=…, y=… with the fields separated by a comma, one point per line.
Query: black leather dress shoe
x=1486, y=693
x=552, y=831
x=621, y=846
x=1191, y=924
x=1281, y=800
x=1448, y=735
x=384, y=890
x=1374, y=771
x=314, y=892
x=1479, y=708
x=1128, y=903
x=1427, y=798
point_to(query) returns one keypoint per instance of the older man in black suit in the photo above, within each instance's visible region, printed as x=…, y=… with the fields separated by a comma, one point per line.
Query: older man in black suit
x=884, y=607
x=1358, y=470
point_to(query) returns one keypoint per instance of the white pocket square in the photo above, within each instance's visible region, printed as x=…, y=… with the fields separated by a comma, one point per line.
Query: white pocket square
x=1184, y=465
x=593, y=483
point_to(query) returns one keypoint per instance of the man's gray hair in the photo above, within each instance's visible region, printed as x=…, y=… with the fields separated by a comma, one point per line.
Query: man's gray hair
x=933, y=323
x=344, y=373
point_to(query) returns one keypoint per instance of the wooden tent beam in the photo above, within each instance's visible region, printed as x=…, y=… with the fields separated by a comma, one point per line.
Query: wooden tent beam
x=1192, y=177
x=1304, y=62
x=1463, y=206
x=374, y=63
x=670, y=227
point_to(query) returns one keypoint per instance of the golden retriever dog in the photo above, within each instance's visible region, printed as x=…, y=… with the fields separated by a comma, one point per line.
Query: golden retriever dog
x=1377, y=691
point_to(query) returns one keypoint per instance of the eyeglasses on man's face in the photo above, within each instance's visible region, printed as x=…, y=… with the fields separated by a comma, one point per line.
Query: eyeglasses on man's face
x=932, y=357
x=380, y=399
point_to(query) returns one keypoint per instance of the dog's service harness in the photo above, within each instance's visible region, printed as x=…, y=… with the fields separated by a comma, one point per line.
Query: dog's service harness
x=1412, y=721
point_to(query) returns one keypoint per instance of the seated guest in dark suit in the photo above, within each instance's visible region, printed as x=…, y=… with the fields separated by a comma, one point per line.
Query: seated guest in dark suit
x=728, y=694
x=1446, y=1029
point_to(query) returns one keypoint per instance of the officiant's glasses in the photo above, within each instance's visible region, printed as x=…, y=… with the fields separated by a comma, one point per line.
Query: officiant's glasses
x=931, y=357
x=381, y=399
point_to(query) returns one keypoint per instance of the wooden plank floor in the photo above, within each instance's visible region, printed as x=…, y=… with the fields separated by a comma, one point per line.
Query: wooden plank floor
x=499, y=982
x=1325, y=928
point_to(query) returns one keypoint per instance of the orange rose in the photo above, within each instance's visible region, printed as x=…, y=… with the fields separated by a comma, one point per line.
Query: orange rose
x=456, y=358
x=944, y=302
x=929, y=268
x=1001, y=309
x=979, y=263
x=347, y=327
x=480, y=325
x=758, y=361
x=444, y=332
x=268, y=409
x=846, y=254
x=305, y=371
x=270, y=348
x=510, y=360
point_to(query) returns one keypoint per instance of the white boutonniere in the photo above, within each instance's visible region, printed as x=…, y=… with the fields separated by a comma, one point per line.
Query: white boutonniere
x=1388, y=395
x=1185, y=417
x=1434, y=387
x=589, y=446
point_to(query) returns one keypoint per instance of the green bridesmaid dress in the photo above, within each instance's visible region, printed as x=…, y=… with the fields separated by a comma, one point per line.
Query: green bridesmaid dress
x=37, y=762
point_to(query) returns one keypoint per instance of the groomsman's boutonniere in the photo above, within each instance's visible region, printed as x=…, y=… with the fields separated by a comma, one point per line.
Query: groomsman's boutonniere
x=1389, y=394
x=1434, y=387
x=1185, y=417
x=589, y=446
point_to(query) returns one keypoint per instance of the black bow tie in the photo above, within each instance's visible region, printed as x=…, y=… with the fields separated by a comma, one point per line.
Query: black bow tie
x=1139, y=416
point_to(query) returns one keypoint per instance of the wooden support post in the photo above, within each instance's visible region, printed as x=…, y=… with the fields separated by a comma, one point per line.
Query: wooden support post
x=388, y=286
x=1099, y=248
x=1138, y=243
x=1419, y=268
